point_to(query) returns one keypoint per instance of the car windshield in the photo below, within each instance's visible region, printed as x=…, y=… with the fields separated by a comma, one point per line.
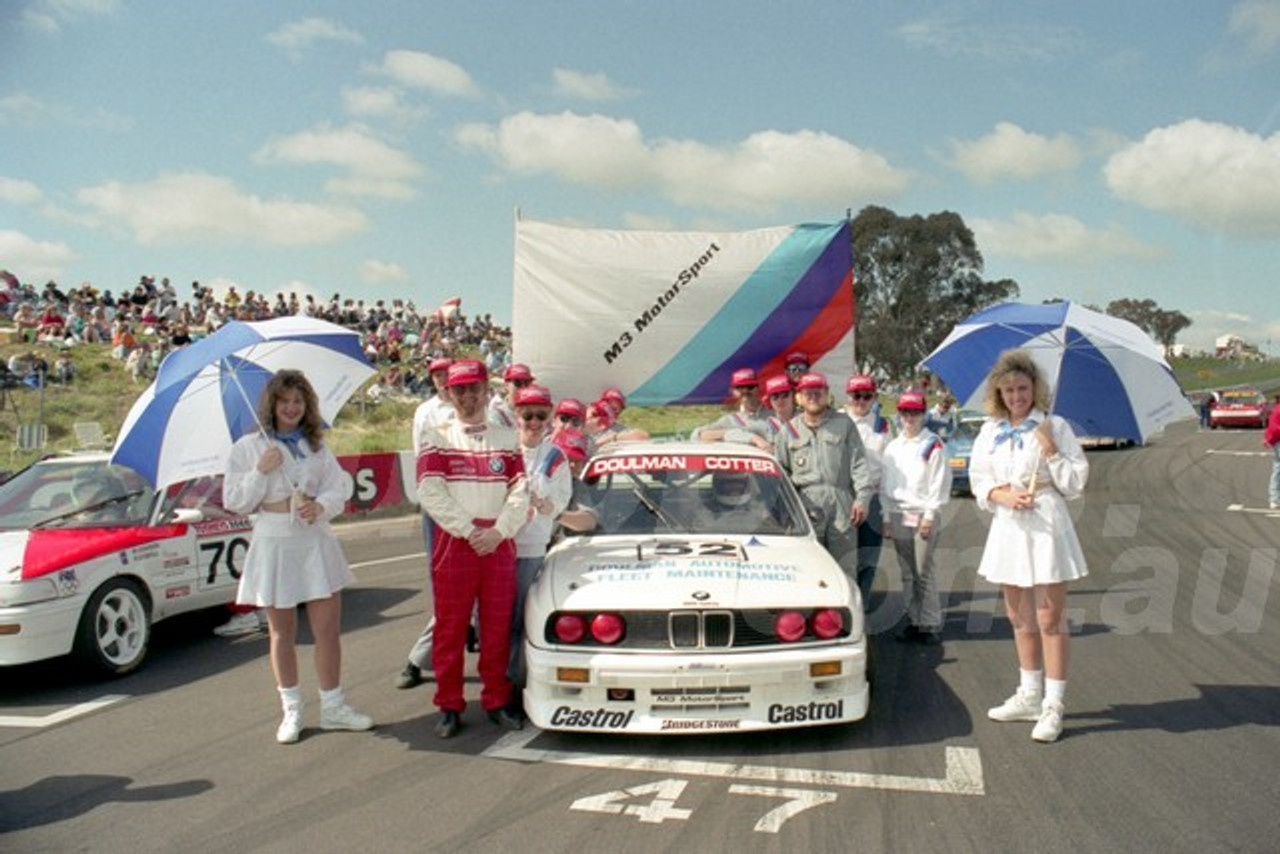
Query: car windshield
x=73, y=493
x=1243, y=398
x=692, y=494
x=967, y=429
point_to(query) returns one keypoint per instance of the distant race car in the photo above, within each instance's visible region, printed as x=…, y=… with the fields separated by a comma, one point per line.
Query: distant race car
x=91, y=557
x=701, y=602
x=960, y=446
x=1241, y=407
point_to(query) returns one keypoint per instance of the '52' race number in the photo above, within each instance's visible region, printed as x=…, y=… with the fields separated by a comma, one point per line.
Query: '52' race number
x=681, y=548
x=224, y=553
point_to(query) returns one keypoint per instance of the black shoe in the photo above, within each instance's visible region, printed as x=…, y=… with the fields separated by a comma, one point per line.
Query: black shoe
x=930, y=637
x=410, y=676
x=449, y=724
x=909, y=634
x=473, y=639
x=508, y=717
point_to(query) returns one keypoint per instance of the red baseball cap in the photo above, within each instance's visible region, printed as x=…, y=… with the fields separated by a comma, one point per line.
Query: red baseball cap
x=860, y=382
x=812, y=380
x=572, y=442
x=572, y=407
x=440, y=363
x=533, y=395
x=779, y=384
x=614, y=395
x=797, y=358
x=911, y=401
x=601, y=412
x=744, y=377
x=466, y=372
x=517, y=372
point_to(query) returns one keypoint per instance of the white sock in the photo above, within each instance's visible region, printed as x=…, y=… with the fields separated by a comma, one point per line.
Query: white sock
x=1032, y=680
x=332, y=697
x=290, y=698
x=1055, y=690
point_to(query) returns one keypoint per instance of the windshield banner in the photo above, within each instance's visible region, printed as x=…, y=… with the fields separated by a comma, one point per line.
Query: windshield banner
x=667, y=317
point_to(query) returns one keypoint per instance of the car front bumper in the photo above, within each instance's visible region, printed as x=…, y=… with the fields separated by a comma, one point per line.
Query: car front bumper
x=696, y=693
x=36, y=632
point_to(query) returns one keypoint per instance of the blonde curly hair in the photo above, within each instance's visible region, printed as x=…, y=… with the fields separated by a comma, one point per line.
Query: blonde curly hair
x=1013, y=362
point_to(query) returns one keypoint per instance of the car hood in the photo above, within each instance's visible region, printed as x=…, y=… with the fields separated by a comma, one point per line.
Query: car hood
x=696, y=572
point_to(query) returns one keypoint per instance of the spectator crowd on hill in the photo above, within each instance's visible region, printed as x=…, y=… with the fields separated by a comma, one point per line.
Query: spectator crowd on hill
x=144, y=323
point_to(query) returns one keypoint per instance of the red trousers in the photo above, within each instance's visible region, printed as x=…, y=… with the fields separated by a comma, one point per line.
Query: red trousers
x=459, y=577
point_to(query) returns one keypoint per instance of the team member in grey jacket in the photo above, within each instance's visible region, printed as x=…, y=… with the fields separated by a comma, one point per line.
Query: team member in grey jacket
x=823, y=454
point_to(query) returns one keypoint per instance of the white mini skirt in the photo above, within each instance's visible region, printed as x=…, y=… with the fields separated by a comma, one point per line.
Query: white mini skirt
x=291, y=562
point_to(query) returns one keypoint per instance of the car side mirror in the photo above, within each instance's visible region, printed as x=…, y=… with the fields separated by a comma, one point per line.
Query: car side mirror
x=187, y=515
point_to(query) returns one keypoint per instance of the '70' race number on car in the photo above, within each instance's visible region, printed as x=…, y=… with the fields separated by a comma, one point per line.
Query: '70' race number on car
x=224, y=553
x=681, y=548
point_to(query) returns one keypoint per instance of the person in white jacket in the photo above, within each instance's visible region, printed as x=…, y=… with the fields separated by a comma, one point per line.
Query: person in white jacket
x=290, y=479
x=1024, y=468
x=915, y=483
x=550, y=488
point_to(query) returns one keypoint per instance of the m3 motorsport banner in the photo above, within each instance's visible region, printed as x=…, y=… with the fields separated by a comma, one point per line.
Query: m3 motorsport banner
x=668, y=316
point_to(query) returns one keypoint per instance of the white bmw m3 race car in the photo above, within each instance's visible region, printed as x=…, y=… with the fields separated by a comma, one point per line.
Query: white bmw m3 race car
x=91, y=557
x=701, y=602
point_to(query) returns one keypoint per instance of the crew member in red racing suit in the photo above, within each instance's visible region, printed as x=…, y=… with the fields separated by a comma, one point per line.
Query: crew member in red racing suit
x=471, y=483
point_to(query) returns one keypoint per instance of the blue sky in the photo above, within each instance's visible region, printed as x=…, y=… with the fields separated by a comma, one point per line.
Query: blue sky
x=1098, y=150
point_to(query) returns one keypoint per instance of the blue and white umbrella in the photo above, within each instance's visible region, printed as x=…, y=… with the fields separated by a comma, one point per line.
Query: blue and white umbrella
x=1106, y=376
x=206, y=394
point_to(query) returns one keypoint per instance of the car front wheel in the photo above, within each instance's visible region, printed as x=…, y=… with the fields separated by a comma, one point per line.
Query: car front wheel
x=115, y=629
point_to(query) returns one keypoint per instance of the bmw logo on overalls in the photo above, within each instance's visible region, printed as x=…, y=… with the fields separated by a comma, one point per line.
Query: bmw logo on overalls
x=495, y=465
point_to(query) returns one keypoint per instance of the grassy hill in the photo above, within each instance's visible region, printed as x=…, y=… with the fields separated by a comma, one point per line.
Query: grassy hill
x=103, y=392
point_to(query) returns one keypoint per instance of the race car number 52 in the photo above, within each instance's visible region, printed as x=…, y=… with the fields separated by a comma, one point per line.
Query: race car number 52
x=680, y=548
x=225, y=553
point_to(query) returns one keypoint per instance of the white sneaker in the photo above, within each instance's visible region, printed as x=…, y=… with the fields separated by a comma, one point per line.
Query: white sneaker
x=239, y=624
x=1049, y=726
x=342, y=716
x=290, y=727
x=1024, y=705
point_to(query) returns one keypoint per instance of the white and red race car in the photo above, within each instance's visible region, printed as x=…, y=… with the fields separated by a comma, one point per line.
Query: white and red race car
x=701, y=602
x=91, y=557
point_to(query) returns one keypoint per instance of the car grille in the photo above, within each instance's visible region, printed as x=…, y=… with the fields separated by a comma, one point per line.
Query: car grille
x=696, y=630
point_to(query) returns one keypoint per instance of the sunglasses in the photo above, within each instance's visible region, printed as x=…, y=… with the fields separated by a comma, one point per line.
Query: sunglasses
x=534, y=416
x=910, y=412
x=521, y=383
x=778, y=394
x=863, y=396
x=569, y=419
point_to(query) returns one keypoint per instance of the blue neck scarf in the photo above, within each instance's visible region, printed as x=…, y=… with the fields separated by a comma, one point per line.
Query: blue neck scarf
x=1013, y=434
x=291, y=441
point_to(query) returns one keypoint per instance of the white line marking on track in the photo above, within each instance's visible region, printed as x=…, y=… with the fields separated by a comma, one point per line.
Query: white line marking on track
x=1240, y=508
x=382, y=560
x=964, y=768
x=67, y=714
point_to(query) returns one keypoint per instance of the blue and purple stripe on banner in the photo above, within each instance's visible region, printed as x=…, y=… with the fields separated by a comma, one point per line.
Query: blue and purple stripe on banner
x=799, y=298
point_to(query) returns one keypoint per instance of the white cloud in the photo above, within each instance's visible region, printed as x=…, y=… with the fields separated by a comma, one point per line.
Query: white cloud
x=418, y=70
x=1257, y=23
x=49, y=16
x=298, y=36
x=18, y=192
x=1211, y=175
x=588, y=87
x=1056, y=237
x=374, y=167
x=993, y=40
x=762, y=172
x=22, y=110
x=197, y=207
x=381, y=102
x=1011, y=152
x=33, y=260
x=375, y=272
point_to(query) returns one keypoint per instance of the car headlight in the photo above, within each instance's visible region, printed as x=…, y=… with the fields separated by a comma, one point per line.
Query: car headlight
x=27, y=592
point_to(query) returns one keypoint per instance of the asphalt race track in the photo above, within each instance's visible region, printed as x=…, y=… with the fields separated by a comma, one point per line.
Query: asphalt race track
x=1172, y=735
